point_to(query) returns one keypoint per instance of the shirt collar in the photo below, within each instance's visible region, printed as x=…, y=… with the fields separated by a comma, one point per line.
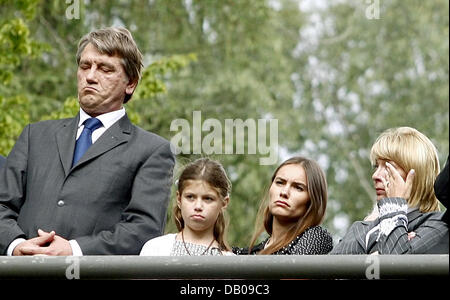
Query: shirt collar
x=107, y=119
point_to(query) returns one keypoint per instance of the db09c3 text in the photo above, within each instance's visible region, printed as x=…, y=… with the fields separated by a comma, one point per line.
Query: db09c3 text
x=247, y=289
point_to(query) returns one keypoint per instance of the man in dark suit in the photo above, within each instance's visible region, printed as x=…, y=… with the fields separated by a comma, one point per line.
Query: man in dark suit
x=94, y=184
x=441, y=186
x=2, y=161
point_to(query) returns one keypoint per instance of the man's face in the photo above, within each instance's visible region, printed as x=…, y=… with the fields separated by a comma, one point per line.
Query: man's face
x=102, y=82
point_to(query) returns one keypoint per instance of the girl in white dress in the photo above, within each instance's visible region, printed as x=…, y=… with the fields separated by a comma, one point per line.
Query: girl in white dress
x=203, y=190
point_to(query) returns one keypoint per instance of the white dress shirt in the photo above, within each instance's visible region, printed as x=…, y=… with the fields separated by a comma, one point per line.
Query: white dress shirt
x=107, y=120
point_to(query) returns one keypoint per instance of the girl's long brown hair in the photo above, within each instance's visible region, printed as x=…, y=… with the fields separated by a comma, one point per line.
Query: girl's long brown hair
x=214, y=174
x=317, y=189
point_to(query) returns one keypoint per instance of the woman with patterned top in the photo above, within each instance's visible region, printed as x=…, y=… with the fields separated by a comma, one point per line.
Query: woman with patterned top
x=406, y=217
x=292, y=211
x=203, y=190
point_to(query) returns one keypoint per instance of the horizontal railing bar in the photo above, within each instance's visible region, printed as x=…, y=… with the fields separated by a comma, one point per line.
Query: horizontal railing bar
x=226, y=267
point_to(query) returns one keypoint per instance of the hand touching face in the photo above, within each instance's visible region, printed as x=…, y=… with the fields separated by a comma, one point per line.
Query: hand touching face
x=390, y=180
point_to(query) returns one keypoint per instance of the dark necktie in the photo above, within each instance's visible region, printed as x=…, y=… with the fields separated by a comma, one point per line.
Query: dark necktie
x=85, y=139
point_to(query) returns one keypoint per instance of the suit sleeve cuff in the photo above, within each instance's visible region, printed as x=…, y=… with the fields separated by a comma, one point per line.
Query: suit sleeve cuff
x=13, y=245
x=76, y=250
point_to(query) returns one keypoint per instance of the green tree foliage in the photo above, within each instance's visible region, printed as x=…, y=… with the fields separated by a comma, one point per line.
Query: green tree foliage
x=242, y=72
x=16, y=46
x=359, y=76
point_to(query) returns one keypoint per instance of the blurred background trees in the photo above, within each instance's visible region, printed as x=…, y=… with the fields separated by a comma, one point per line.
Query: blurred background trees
x=335, y=74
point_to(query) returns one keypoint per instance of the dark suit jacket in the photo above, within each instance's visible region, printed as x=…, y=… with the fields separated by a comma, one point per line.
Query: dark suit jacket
x=441, y=186
x=2, y=161
x=111, y=202
x=431, y=237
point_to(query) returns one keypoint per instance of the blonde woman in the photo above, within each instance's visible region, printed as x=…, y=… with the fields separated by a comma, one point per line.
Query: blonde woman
x=405, y=165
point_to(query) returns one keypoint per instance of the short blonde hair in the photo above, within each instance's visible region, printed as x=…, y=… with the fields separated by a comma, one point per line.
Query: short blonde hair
x=411, y=149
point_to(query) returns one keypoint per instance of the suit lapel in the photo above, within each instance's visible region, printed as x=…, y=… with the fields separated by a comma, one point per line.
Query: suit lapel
x=117, y=134
x=65, y=140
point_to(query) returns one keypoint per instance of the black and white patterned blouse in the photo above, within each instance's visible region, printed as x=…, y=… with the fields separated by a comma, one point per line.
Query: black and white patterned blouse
x=314, y=240
x=181, y=249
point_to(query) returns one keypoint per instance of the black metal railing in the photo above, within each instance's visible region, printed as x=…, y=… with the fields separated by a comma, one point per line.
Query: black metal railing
x=226, y=267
